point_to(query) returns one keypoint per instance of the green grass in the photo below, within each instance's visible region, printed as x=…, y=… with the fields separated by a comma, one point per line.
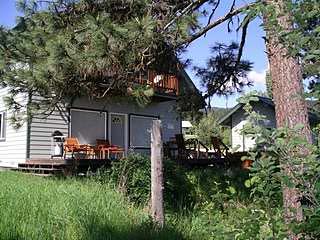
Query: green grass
x=47, y=208
x=38, y=208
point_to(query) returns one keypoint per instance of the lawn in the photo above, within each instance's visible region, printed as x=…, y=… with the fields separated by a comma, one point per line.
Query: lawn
x=38, y=208
x=49, y=208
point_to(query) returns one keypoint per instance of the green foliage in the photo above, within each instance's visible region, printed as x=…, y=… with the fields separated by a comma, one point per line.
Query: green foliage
x=208, y=127
x=226, y=136
x=70, y=209
x=304, y=40
x=214, y=189
x=224, y=74
x=37, y=208
x=132, y=176
x=61, y=50
x=283, y=158
x=189, y=104
x=183, y=189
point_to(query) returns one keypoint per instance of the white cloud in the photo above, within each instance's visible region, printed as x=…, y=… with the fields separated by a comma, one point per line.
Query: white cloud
x=257, y=77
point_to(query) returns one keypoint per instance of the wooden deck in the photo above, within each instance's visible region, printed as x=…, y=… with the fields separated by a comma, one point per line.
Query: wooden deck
x=163, y=84
x=69, y=166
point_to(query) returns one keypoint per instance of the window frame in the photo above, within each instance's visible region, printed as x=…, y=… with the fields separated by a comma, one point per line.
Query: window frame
x=153, y=117
x=2, y=126
x=87, y=110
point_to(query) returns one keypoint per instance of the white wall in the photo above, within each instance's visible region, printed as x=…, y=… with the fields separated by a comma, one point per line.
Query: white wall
x=13, y=148
x=239, y=120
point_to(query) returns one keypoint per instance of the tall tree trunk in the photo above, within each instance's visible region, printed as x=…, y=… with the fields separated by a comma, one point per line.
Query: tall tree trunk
x=287, y=89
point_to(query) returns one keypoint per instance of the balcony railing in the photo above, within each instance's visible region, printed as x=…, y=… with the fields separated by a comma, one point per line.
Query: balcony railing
x=161, y=83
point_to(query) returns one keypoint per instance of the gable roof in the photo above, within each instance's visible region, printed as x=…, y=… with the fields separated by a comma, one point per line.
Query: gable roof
x=188, y=85
x=268, y=101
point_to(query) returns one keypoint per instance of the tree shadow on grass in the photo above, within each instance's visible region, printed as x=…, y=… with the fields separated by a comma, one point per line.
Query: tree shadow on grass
x=14, y=236
x=103, y=231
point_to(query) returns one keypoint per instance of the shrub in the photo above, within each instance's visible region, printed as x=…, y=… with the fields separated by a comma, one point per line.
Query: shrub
x=208, y=127
x=184, y=189
x=132, y=175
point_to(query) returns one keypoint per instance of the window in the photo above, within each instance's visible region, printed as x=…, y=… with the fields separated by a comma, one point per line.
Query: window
x=2, y=125
x=140, y=131
x=88, y=126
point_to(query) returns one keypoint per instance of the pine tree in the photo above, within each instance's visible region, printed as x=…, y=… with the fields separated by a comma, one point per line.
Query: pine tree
x=60, y=50
x=69, y=48
x=223, y=74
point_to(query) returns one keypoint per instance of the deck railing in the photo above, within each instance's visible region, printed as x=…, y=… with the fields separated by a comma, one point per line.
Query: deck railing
x=161, y=83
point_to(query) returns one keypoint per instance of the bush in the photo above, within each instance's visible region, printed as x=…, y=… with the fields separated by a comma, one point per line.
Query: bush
x=132, y=176
x=203, y=203
x=184, y=189
x=217, y=186
x=208, y=127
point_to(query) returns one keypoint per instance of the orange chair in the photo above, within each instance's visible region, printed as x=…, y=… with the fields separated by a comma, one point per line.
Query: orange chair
x=104, y=149
x=72, y=145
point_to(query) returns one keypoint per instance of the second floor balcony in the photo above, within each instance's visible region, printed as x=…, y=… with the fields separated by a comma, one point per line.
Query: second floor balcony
x=163, y=84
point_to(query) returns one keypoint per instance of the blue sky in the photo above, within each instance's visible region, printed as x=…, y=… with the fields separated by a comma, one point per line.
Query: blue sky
x=199, y=51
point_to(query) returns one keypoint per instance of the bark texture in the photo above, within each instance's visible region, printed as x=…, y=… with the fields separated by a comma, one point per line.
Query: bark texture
x=287, y=89
x=157, y=174
x=286, y=76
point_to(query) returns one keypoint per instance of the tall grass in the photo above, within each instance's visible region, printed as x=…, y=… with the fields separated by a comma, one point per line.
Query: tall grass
x=40, y=208
x=37, y=208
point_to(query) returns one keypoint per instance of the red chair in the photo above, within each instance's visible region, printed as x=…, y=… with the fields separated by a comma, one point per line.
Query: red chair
x=104, y=149
x=72, y=145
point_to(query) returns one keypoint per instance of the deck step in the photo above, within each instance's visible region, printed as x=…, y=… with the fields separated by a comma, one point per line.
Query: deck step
x=39, y=174
x=43, y=167
x=26, y=165
x=40, y=169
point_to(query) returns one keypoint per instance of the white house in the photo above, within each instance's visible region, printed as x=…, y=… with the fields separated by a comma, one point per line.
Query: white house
x=123, y=123
x=236, y=119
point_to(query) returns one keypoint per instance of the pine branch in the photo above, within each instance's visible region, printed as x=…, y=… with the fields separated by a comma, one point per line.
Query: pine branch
x=191, y=7
x=216, y=23
x=213, y=12
x=246, y=22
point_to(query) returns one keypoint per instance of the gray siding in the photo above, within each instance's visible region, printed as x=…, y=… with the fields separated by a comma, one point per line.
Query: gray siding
x=43, y=126
x=13, y=148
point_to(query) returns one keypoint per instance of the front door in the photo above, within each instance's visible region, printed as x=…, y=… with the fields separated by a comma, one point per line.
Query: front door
x=118, y=129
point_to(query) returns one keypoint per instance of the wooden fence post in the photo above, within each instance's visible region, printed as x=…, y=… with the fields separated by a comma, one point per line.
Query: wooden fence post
x=157, y=174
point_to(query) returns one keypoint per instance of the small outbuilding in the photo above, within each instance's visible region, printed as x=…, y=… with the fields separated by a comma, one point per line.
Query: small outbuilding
x=237, y=118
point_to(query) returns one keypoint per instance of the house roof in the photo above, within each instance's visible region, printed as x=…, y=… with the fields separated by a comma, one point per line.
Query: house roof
x=189, y=84
x=268, y=101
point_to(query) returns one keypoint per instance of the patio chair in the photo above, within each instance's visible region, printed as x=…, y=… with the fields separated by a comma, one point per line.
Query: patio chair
x=104, y=149
x=72, y=145
x=220, y=149
x=185, y=153
x=202, y=154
